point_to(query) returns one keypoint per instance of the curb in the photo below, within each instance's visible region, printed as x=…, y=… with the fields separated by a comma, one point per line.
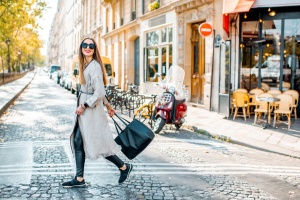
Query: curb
x=10, y=102
x=229, y=140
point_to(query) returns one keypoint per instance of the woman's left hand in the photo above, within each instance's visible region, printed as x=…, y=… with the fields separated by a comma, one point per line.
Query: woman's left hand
x=79, y=110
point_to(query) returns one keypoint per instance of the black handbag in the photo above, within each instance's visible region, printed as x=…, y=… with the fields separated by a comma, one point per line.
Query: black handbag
x=134, y=138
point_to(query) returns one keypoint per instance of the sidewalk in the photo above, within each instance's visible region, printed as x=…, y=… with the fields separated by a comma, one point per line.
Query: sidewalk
x=10, y=91
x=244, y=133
x=203, y=121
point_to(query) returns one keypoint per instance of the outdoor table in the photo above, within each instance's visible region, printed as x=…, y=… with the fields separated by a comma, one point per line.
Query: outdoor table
x=268, y=100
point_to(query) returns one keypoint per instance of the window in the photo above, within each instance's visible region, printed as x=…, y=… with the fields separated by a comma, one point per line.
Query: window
x=107, y=19
x=152, y=38
x=170, y=34
x=158, y=54
x=121, y=12
x=133, y=10
x=152, y=64
x=164, y=35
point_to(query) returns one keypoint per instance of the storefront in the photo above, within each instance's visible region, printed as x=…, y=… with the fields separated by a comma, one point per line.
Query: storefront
x=270, y=46
x=157, y=47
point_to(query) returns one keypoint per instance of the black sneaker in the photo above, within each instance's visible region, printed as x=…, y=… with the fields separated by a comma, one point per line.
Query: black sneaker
x=124, y=174
x=74, y=183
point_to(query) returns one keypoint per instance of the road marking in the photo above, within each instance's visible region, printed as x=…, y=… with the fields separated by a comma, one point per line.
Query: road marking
x=162, y=143
x=151, y=168
x=95, y=167
x=197, y=144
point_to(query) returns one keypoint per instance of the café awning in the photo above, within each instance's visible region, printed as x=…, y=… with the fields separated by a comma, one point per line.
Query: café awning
x=236, y=6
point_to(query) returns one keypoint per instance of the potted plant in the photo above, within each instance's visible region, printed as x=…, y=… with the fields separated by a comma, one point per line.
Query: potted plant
x=153, y=6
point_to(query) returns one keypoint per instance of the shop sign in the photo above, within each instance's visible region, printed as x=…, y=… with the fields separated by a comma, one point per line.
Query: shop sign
x=157, y=21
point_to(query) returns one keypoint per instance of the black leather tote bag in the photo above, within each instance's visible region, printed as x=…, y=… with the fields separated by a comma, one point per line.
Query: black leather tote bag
x=134, y=138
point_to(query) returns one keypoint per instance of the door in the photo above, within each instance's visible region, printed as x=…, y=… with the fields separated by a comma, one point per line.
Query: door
x=224, y=78
x=198, y=64
x=137, y=61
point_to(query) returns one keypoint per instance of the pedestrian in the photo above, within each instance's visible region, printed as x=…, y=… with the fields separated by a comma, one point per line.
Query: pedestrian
x=91, y=137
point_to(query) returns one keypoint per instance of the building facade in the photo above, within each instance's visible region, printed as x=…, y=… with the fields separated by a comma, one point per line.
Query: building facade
x=144, y=38
x=262, y=48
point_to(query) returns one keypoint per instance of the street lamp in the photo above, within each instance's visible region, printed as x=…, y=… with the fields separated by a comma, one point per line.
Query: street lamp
x=19, y=57
x=8, y=54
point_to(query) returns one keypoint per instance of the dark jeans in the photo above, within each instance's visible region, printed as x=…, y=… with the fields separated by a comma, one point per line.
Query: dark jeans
x=80, y=154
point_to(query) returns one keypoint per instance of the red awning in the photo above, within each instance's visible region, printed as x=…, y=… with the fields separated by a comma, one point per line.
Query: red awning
x=237, y=6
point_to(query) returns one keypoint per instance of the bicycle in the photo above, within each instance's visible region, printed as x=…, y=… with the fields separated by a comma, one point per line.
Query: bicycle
x=145, y=111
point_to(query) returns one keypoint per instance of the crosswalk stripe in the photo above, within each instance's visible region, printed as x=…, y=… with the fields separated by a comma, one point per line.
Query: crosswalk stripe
x=162, y=143
x=152, y=168
x=157, y=173
x=169, y=165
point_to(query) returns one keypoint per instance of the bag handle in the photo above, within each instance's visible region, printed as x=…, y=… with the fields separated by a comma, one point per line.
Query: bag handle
x=117, y=126
x=125, y=121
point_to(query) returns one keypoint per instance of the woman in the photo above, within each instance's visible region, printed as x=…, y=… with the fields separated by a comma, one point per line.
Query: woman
x=91, y=137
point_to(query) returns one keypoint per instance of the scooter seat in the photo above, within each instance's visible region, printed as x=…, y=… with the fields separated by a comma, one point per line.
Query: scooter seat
x=179, y=101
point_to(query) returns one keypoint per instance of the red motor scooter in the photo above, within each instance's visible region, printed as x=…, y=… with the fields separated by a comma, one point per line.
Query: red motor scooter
x=170, y=107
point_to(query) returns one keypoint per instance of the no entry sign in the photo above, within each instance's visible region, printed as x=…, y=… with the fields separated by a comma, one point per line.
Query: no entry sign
x=205, y=29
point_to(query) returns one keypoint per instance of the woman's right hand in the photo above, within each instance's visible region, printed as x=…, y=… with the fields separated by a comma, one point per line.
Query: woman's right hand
x=111, y=112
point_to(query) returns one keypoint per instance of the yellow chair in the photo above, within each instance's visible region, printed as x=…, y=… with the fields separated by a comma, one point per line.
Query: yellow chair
x=241, y=90
x=241, y=101
x=262, y=107
x=285, y=85
x=284, y=108
x=275, y=93
x=252, y=97
x=233, y=100
x=265, y=87
x=295, y=95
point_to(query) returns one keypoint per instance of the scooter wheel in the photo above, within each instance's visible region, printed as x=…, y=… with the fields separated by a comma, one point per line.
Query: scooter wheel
x=159, y=124
x=178, y=126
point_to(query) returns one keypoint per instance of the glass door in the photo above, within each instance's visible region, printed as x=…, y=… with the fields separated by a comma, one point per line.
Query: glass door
x=291, y=71
x=198, y=65
x=224, y=78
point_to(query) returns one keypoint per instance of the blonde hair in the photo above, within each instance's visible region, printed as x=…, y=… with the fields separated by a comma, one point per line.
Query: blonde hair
x=96, y=57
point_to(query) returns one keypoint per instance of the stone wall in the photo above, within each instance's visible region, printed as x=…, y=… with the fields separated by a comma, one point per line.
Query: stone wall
x=9, y=77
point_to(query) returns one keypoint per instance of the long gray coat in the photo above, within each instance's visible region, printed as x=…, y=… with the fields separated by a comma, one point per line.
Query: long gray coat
x=97, y=138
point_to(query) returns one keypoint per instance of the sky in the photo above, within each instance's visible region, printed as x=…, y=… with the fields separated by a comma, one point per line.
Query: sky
x=45, y=23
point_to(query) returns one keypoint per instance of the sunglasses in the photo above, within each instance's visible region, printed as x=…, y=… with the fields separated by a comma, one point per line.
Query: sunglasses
x=85, y=45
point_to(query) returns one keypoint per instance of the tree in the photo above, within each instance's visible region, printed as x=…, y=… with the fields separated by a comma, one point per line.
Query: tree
x=18, y=22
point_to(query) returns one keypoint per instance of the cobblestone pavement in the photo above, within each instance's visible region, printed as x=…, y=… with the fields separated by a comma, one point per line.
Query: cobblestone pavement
x=177, y=165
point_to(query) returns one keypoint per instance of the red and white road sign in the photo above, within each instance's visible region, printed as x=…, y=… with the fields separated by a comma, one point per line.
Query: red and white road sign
x=205, y=29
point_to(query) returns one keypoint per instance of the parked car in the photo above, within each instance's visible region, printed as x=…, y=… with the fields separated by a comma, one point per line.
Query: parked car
x=62, y=80
x=57, y=75
x=52, y=69
x=68, y=82
x=46, y=69
x=54, y=75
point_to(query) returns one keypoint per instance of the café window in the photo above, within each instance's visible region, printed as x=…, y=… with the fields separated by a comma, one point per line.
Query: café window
x=158, y=54
x=270, y=56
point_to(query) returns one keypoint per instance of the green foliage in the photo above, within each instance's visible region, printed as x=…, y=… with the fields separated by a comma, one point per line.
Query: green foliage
x=18, y=23
x=153, y=6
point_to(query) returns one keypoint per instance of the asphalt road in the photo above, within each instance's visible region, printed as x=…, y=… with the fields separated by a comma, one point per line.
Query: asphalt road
x=36, y=158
